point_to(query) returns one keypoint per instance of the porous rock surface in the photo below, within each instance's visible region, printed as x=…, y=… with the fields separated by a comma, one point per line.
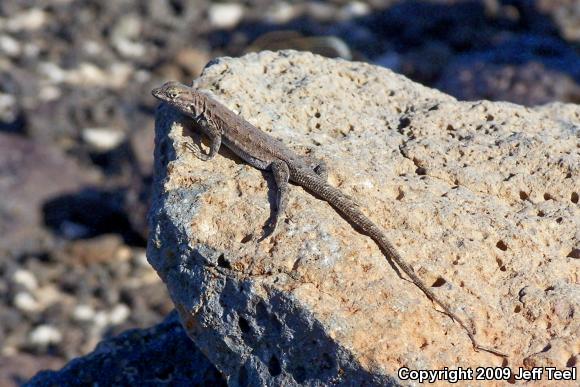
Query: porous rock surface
x=480, y=198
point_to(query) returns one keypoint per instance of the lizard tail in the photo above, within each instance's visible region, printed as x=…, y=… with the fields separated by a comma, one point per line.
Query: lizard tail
x=349, y=209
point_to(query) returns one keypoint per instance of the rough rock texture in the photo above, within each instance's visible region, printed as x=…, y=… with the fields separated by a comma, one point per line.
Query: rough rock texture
x=159, y=356
x=480, y=197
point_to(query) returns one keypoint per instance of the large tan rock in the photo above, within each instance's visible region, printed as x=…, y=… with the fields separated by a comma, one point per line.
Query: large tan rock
x=480, y=198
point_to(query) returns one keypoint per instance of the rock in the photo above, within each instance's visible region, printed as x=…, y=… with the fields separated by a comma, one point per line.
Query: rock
x=225, y=15
x=32, y=173
x=45, y=335
x=476, y=196
x=529, y=70
x=103, y=139
x=160, y=356
x=528, y=84
x=17, y=369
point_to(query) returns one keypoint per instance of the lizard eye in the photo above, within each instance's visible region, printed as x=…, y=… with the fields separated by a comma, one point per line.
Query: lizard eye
x=172, y=94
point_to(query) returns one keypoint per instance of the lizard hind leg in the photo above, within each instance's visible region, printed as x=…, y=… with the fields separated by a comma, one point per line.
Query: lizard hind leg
x=281, y=176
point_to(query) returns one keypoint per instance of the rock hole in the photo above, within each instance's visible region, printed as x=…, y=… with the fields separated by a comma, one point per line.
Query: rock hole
x=391, y=93
x=501, y=245
x=547, y=196
x=223, y=262
x=541, y=214
x=421, y=171
x=574, y=197
x=317, y=114
x=401, y=195
x=274, y=366
x=450, y=127
x=559, y=220
x=568, y=175
x=403, y=123
x=243, y=324
x=317, y=126
x=246, y=239
x=547, y=348
x=524, y=195
x=549, y=288
x=517, y=309
x=438, y=283
x=571, y=362
x=512, y=378
x=575, y=253
x=489, y=117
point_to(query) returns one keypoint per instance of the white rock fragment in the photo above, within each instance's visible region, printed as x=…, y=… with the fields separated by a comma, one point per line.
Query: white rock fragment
x=102, y=139
x=30, y=20
x=119, y=314
x=8, y=109
x=49, y=93
x=44, y=335
x=83, y=313
x=52, y=72
x=101, y=319
x=280, y=12
x=9, y=46
x=92, y=47
x=25, y=302
x=130, y=48
x=26, y=279
x=125, y=37
x=355, y=9
x=225, y=15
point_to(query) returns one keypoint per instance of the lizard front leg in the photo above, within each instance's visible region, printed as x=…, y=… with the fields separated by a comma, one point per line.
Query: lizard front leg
x=214, y=135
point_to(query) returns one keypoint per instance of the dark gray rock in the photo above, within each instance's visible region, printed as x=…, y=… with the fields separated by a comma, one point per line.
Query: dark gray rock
x=160, y=356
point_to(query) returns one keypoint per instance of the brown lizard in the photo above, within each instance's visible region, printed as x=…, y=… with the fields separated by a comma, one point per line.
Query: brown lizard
x=264, y=152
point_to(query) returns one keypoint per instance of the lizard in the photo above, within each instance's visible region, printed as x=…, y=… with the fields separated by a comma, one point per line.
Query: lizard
x=262, y=151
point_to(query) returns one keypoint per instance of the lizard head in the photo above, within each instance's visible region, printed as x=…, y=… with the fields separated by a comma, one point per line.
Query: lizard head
x=177, y=95
x=170, y=91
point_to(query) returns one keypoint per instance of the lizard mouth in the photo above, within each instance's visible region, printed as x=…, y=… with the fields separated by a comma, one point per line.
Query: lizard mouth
x=157, y=93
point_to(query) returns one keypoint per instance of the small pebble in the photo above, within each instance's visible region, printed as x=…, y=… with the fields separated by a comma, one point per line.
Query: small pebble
x=102, y=139
x=119, y=314
x=25, y=278
x=25, y=302
x=225, y=15
x=83, y=313
x=30, y=20
x=44, y=335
